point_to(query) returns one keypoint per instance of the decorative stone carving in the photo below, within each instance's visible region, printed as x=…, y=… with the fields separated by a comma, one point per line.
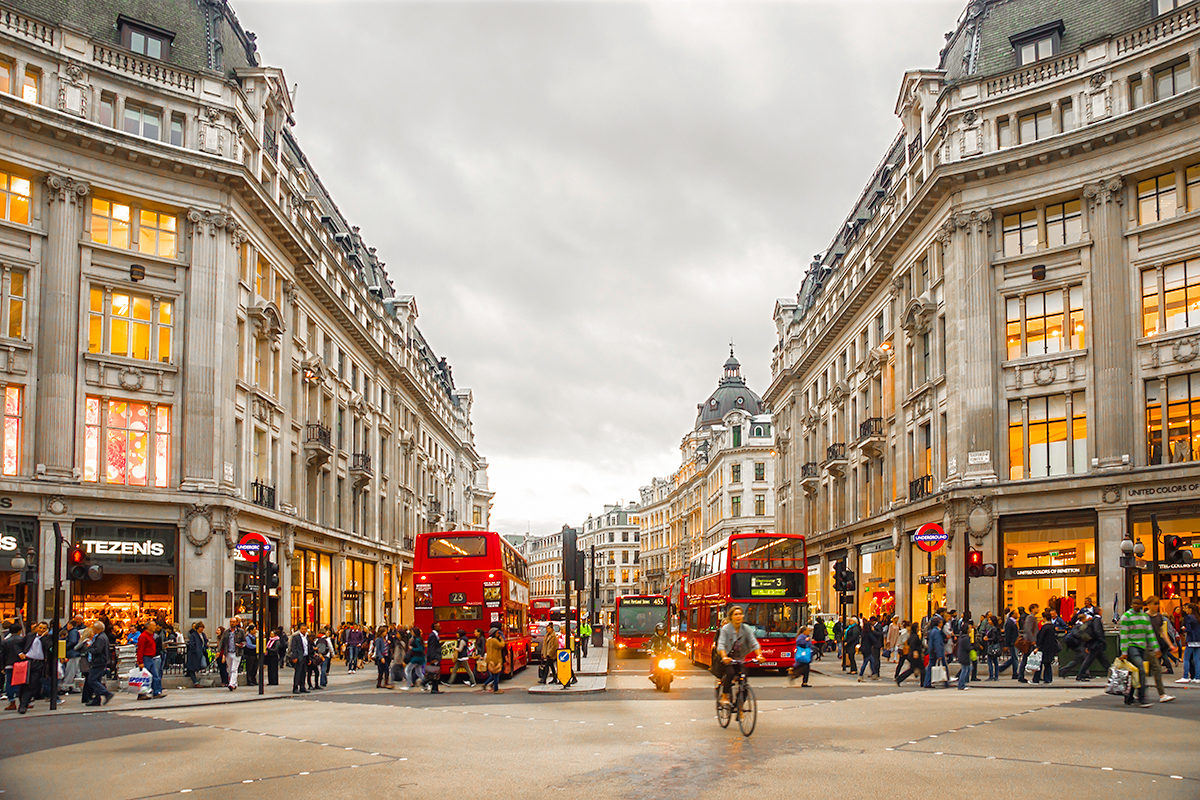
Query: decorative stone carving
x=65, y=189
x=314, y=370
x=131, y=379
x=1044, y=375
x=287, y=538
x=971, y=117
x=1111, y=494
x=207, y=222
x=231, y=530
x=267, y=321
x=1105, y=191
x=197, y=525
x=840, y=391
x=1098, y=99
x=978, y=221
x=260, y=409
x=73, y=91
x=945, y=232
x=918, y=315
x=1185, y=350
x=57, y=505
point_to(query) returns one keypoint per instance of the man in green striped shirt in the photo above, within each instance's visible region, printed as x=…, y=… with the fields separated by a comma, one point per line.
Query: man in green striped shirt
x=1137, y=640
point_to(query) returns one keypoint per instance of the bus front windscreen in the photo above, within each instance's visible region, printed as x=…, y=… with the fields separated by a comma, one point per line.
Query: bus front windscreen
x=773, y=620
x=638, y=619
x=457, y=546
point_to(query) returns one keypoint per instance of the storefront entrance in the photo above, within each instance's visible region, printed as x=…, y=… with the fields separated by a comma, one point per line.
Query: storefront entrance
x=312, y=589
x=140, y=573
x=927, y=579
x=18, y=537
x=1048, y=559
x=877, y=579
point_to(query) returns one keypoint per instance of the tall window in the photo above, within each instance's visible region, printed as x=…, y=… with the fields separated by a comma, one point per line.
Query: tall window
x=1171, y=297
x=130, y=325
x=1036, y=50
x=760, y=471
x=176, y=135
x=106, y=108
x=126, y=442
x=735, y=506
x=1172, y=80
x=15, y=196
x=1034, y=126
x=1057, y=436
x=1044, y=323
x=1063, y=224
x=735, y=473
x=1156, y=198
x=1192, y=178
x=6, y=77
x=1020, y=233
x=760, y=505
x=154, y=233
x=1179, y=404
x=142, y=121
x=737, y=435
x=14, y=304
x=31, y=86
x=14, y=409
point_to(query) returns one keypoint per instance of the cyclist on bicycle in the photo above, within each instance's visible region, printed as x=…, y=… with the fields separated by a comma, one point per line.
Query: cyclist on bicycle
x=735, y=642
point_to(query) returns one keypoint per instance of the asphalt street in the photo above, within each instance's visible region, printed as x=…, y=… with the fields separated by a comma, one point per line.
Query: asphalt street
x=852, y=740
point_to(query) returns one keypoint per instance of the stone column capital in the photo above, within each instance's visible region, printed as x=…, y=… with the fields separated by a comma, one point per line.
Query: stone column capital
x=1103, y=192
x=977, y=221
x=206, y=221
x=63, y=188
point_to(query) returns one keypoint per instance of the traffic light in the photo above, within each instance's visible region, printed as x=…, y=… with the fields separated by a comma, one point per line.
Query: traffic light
x=974, y=563
x=849, y=581
x=270, y=574
x=839, y=576
x=1176, y=550
x=80, y=566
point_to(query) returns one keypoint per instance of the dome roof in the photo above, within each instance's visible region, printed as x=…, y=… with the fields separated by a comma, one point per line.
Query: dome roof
x=732, y=393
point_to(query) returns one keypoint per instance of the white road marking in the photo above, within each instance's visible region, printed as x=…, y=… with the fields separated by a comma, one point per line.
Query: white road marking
x=303, y=773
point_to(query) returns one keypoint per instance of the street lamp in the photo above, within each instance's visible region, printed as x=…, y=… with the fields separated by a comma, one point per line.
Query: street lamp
x=1131, y=551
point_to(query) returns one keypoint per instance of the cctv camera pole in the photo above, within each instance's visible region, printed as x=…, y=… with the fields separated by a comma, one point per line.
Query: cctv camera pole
x=54, y=623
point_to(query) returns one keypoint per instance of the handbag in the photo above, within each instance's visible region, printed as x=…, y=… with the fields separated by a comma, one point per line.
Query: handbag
x=938, y=673
x=20, y=673
x=1119, y=681
x=803, y=655
x=993, y=650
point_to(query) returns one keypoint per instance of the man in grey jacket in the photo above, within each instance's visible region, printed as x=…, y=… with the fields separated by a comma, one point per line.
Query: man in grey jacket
x=1029, y=629
x=736, y=641
x=297, y=655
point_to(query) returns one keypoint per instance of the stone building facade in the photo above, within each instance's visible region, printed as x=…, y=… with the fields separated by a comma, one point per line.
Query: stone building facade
x=616, y=535
x=1000, y=338
x=725, y=483
x=197, y=345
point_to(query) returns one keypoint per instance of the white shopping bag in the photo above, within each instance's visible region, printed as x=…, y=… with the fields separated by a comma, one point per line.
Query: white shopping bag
x=138, y=681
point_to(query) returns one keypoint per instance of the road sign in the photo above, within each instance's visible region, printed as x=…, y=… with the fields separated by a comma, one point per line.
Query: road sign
x=930, y=537
x=250, y=545
x=563, y=666
x=932, y=578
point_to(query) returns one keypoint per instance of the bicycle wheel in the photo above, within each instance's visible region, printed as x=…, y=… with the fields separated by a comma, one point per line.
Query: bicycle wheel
x=724, y=712
x=747, y=710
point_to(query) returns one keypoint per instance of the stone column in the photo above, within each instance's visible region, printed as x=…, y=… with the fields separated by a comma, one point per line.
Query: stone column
x=1110, y=578
x=823, y=580
x=1112, y=324
x=58, y=324
x=900, y=387
x=904, y=585
x=976, y=359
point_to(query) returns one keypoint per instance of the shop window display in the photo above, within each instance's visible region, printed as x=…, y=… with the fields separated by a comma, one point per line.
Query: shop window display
x=877, y=581
x=1045, y=562
x=927, y=597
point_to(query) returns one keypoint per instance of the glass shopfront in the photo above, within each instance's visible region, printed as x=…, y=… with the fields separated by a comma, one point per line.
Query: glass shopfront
x=389, y=595
x=927, y=580
x=140, y=573
x=814, y=586
x=1176, y=584
x=877, y=578
x=245, y=586
x=358, y=592
x=312, y=588
x=18, y=537
x=831, y=593
x=1048, y=559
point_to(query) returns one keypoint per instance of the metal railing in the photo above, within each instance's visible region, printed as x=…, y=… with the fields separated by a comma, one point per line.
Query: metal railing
x=262, y=494
x=920, y=487
x=810, y=470
x=360, y=462
x=270, y=145
x=835, y=452
x=870, y=427
x=914, y=147
x=316, y=432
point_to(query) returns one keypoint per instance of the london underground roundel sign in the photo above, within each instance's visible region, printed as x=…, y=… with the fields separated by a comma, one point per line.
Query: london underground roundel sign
x=930, y=537
x=249, y=545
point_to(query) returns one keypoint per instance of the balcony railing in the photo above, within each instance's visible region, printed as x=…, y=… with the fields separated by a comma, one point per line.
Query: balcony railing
x=262, y=494
x=914, y=147
x=318, y=434
x=810, y=470
x=270, y=146
x=870, y=427
x=435, y=508
x=360, y=462
x=835, y=452
x=145, y=68
x=920, y=488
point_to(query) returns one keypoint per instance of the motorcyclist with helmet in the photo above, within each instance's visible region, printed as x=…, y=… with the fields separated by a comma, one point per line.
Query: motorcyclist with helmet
x=659, y=645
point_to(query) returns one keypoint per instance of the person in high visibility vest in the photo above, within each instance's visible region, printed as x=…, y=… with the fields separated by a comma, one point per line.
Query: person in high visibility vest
x=585, y=632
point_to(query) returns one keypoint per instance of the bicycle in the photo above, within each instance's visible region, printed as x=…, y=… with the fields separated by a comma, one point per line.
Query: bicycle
x=744, y=705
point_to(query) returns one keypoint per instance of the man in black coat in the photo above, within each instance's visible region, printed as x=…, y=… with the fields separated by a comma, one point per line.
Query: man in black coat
x=1094, y=644
x=9, y=650
x=297, y=656
x=433, y=660
x=37, y=650
x=98, y=652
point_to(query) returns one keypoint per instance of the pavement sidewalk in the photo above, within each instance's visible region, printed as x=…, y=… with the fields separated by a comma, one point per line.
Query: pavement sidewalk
x=592, y=675
x=831, y=668
x=339, y=680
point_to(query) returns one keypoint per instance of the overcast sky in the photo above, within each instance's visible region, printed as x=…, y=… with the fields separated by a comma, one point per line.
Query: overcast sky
x=590, y=200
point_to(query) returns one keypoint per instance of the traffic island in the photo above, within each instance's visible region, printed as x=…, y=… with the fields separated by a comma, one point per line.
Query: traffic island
x=583, y=683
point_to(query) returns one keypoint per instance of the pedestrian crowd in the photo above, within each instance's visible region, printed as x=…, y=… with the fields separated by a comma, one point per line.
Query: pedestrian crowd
x=1151, y=642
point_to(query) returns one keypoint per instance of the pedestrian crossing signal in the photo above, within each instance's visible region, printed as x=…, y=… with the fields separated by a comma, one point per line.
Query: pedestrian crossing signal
x=80, y=566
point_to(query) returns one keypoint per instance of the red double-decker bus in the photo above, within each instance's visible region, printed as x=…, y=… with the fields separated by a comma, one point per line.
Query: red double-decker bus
x=676, y=613
x=635, y=618
x=539, y=608
x=469, y=580
x=764, y=573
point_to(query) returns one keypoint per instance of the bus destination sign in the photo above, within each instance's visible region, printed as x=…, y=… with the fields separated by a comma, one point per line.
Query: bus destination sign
x=761, y=586
x=634, y=602
x=767, y=586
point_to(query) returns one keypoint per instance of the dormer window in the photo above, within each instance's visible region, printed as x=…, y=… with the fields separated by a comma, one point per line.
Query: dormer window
x=1041, y=42
x=144, y=39
x=1164, y=6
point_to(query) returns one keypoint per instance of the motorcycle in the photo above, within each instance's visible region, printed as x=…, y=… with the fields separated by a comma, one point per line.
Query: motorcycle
x=663, y=672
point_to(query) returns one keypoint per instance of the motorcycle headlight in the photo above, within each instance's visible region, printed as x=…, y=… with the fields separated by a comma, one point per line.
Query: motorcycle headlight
x=666, y=663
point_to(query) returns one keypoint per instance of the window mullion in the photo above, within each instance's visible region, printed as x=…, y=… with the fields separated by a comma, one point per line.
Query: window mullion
x=106, y=325
x=1162, y=298
x=5, y=292
x=1024, y=339
x=1025, y=436
x=1070, y=412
